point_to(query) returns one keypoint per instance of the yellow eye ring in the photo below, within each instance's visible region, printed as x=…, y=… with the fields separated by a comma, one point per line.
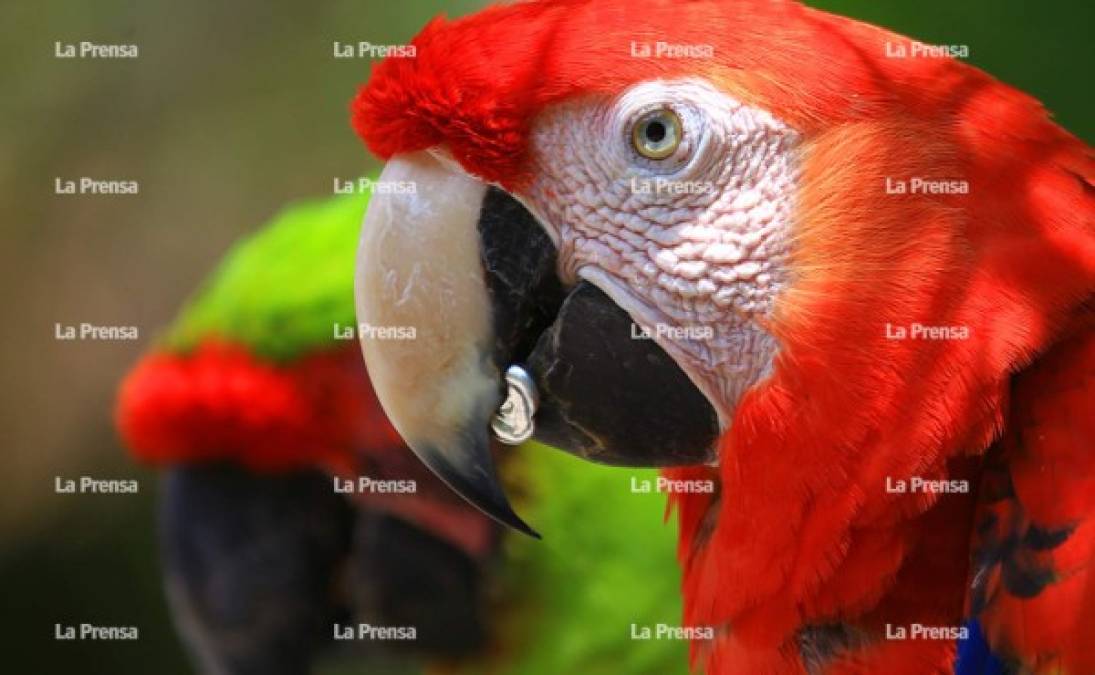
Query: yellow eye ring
x=657, y=134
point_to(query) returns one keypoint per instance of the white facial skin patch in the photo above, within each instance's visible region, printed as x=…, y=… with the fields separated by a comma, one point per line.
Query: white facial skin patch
x=693, y=246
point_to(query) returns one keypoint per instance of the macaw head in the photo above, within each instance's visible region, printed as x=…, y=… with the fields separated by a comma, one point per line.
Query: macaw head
x=728, y=233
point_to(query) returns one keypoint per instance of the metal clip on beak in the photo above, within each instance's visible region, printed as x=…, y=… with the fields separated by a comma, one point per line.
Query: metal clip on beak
x=513, y=422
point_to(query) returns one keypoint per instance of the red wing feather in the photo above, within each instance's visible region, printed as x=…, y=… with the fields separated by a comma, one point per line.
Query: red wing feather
x=1033, y=588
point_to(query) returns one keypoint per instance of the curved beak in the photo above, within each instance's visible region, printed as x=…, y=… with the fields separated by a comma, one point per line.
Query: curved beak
x=425, y=324
x=471, y=340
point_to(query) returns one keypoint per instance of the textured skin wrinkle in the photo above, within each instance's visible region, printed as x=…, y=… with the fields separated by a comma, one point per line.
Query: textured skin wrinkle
x=697, y=242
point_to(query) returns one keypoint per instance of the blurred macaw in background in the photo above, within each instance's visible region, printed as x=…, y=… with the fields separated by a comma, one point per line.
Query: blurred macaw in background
x=841, y=274
x=256, y=399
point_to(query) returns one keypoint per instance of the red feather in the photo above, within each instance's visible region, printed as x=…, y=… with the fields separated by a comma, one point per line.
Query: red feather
x=219, y=402
x=319, y=412
x=1035, y=590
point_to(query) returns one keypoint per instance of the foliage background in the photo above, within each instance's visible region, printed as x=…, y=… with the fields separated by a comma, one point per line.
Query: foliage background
x=231, y=110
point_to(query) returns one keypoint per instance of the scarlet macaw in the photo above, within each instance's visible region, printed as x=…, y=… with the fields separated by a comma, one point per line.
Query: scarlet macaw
x=845, y=278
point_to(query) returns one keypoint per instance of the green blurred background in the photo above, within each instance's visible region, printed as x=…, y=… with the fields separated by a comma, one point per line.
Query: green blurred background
x=231, y=110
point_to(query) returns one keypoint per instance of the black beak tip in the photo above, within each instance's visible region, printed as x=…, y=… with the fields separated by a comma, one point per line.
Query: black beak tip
x=508, y=517
x=477, y=484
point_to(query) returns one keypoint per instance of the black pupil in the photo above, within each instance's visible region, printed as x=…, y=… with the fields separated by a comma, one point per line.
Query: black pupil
x=655, y=131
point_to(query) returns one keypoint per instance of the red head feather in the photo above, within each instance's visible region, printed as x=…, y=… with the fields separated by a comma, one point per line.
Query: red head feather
x=476, y=83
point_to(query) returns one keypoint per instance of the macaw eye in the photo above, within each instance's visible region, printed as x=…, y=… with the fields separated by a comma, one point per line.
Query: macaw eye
x=657, y=134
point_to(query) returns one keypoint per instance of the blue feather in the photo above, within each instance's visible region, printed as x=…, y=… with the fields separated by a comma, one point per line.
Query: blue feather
x=974, y=655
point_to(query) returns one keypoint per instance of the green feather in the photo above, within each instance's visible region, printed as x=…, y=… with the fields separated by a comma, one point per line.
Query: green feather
x=281, y=291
